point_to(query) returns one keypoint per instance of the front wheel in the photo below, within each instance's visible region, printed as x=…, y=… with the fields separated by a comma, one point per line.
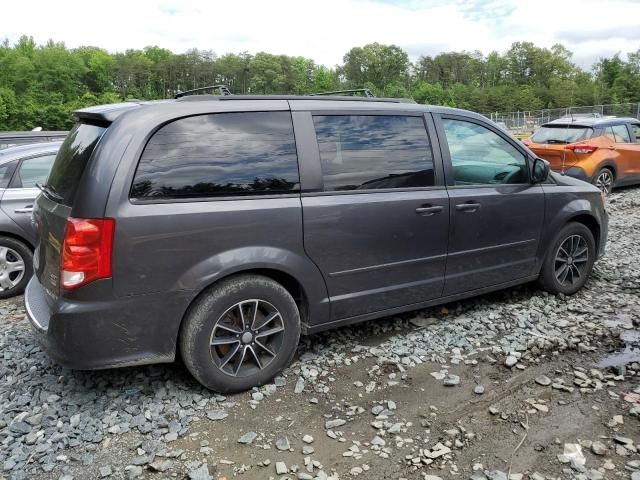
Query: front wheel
x=604, y=180
x=240, y=333
x=569, y=260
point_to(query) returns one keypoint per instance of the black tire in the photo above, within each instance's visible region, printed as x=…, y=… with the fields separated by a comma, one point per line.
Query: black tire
x=216, y=310
x=604, y=180
x=549, y=278
x=16, y=248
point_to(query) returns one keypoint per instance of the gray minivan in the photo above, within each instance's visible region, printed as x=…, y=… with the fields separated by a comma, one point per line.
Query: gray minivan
x=224, y=227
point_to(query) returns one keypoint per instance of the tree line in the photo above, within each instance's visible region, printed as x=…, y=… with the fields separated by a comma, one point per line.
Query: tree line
x=41, y=84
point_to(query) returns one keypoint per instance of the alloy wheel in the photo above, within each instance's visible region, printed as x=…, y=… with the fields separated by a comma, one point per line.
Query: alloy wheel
x=605, y=181
x=247, y=337
x=571, y=260
x=11, y=268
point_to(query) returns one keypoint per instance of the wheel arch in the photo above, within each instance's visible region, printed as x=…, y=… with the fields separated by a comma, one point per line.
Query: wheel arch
x=591, y=223
x=578, y=210
x=20, y=238
x=608, y=163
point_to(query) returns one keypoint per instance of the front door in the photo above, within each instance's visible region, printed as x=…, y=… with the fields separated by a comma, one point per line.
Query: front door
x=377, y=225
x=496, y=213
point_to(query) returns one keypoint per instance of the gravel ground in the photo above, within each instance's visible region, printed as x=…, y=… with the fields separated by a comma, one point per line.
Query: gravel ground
x=516, y=384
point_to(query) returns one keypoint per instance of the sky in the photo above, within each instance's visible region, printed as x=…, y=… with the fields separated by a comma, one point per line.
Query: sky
x=325, y=30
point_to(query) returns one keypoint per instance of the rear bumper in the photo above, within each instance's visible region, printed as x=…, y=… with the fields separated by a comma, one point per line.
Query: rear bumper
x=97, y=334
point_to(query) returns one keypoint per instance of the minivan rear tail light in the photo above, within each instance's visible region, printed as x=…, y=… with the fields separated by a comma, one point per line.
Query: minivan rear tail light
x=582, y=148
x=86, y=251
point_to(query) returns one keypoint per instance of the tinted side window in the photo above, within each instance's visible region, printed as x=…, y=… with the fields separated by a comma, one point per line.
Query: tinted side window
x=32, y=171
x=480, y=157
x=244, y=153
x=635, y=127
x=362, y=152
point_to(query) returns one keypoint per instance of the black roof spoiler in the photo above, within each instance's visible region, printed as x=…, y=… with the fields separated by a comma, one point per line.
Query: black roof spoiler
x=104, y=113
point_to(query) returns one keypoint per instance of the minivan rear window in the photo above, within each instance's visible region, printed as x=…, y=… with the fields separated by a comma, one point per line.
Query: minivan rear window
x=562, y=134
x=72, y=159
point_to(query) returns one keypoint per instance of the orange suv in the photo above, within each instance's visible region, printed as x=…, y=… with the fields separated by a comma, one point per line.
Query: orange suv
x=604, y=151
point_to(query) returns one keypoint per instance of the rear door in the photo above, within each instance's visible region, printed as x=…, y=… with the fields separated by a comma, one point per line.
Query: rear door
x=376, y=213
x=17, y=201
x=496, y=213
x=627, y=153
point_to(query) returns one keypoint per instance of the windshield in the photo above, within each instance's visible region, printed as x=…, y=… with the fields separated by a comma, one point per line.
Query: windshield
x=562, y=134
x=72, y=159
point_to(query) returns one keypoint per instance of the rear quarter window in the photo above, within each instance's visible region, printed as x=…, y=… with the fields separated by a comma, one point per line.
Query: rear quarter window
x=223, y=154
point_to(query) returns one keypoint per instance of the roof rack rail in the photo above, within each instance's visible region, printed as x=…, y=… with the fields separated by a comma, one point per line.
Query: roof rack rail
x=364, y=91
x=224, y=90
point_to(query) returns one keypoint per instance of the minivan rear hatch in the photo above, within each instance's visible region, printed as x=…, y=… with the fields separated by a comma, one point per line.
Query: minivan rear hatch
x=54, y=205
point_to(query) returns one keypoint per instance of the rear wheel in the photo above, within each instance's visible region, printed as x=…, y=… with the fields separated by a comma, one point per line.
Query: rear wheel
x=569, y=260
x=240, y=333
x=16, y=266
x=604, y=180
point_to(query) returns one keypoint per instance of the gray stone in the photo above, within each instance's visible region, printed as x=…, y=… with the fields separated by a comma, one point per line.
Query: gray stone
x=257, y=396
x=105, y=471
x=543, y=380
x=335, y=423
x=281, y=468
x=248, y=438
x=282, y=443
x=201, y=473
x=133, y=471
x=495, y=475
x=510, y=361
x=451, y=380
x=307, y=439
x=479, y=389
x=161, y=465
x=598, y=448
x=299, y=388
x=217, y=414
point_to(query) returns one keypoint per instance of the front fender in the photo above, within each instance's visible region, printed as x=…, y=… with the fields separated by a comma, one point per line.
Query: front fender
x=224, y=264
x=585, y=206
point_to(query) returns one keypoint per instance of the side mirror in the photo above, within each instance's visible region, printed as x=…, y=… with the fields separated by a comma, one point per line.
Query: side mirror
x=540, y=170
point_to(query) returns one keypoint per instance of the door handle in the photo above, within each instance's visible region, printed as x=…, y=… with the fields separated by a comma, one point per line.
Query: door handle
x=27, y=209
x=468, y=207
x=428, y=211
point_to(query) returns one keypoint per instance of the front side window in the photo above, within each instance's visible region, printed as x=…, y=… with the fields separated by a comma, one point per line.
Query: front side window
x=364, y=152
x=481, y=157
x=32, y=171
x=224, y=154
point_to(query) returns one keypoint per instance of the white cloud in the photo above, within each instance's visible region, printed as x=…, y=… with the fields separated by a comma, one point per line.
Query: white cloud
x=326, y=31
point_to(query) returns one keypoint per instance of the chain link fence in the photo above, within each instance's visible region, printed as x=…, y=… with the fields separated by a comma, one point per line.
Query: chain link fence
x=526, y=122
